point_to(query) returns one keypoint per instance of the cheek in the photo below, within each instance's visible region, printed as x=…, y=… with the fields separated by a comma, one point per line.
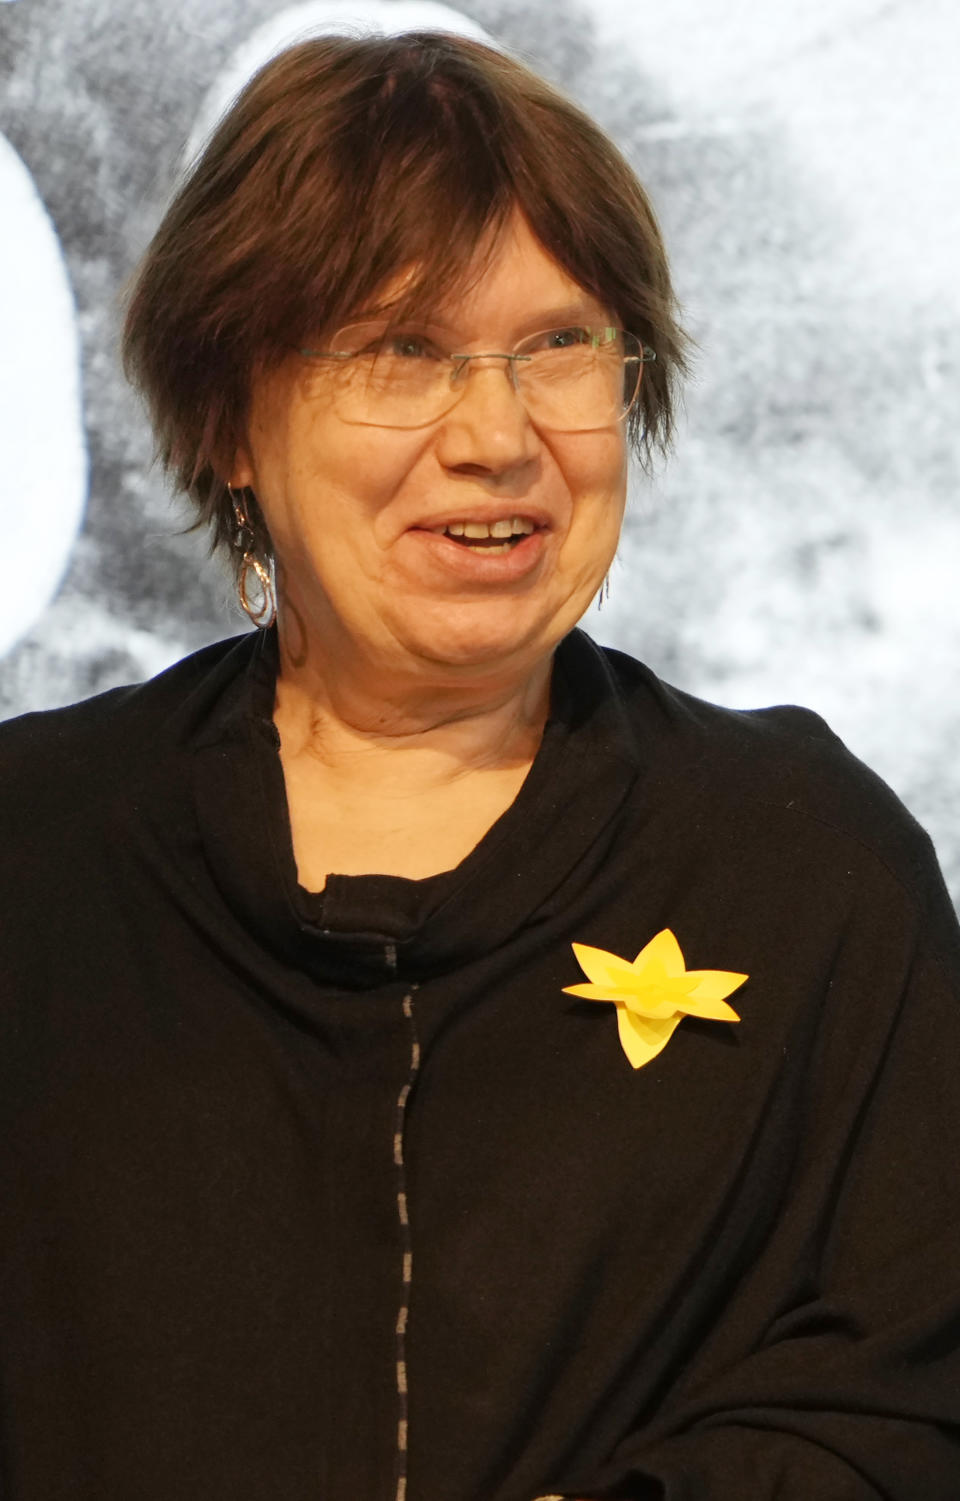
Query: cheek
x=355, y=473
x=596, y=474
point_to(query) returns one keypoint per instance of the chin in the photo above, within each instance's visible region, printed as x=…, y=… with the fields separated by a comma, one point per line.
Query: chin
x=473, y=642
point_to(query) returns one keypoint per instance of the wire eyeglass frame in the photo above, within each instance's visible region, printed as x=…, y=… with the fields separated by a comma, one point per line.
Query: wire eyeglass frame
x=636, y=355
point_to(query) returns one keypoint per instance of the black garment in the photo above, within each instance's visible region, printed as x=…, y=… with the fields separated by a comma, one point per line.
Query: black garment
x=730, y=1275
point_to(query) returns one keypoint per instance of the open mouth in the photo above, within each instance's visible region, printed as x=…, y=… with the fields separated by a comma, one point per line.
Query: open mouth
x=492, y=537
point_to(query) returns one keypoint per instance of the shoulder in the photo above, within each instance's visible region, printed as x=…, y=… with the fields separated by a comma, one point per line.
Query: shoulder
x=97, y=800
x=102, y=738
x=779, y=775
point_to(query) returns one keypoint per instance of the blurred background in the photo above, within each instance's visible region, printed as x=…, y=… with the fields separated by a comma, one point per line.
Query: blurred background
x=803, y=543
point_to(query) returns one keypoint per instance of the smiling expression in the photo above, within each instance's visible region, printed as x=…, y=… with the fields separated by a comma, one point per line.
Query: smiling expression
x=364, y=519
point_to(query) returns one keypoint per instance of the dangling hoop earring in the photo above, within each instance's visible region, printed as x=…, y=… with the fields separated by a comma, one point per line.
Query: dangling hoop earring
x=604, y=592
x=258, y=601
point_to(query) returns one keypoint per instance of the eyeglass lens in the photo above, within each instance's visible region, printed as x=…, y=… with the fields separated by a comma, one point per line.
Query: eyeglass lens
x=568, y=379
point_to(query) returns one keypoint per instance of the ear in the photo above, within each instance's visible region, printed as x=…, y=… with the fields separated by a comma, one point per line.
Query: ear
x=239, y=474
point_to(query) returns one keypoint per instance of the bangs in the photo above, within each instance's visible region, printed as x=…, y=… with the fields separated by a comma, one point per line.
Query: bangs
x=414, y=168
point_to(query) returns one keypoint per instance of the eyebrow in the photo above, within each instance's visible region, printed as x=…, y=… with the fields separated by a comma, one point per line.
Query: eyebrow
x=585, y=311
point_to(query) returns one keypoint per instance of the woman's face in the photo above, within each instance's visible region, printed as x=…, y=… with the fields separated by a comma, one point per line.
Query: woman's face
x=356, y=512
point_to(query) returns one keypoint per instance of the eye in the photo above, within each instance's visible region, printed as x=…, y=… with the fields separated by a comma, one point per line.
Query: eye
x=572, y=337
x=565, y=338
x=409, y=346
x=377, y=341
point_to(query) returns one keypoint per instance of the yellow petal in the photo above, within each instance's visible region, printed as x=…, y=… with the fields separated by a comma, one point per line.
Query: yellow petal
x=603, y=968
x=655, y=1001
x=642, y=1039
x=663, y=949
x=651, y=1003
x=706, y=999
x=714, y=984
x=713, y=1011
x=594, y=992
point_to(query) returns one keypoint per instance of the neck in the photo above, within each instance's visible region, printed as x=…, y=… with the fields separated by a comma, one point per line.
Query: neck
x=351, y=717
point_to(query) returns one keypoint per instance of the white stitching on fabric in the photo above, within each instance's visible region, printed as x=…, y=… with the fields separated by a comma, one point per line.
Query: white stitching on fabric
x=403, y=1314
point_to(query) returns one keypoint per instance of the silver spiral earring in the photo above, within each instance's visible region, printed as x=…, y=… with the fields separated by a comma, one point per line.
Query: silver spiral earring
x=255, y=587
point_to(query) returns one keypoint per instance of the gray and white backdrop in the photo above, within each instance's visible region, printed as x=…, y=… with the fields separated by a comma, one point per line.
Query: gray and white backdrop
x=803, y=545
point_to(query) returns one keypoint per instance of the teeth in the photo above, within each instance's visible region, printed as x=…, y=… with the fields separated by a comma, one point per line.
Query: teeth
x=516, y=526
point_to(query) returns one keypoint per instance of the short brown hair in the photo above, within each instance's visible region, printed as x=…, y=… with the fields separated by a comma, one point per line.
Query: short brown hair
x=344, y=161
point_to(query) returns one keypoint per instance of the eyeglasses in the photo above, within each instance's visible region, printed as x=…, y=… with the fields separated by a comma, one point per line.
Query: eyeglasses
x=569, y=379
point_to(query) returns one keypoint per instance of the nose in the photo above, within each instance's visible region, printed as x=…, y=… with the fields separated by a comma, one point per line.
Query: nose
x=488, y=429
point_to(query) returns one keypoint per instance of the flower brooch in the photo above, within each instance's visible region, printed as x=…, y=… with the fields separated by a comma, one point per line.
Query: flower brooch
x=654, y=993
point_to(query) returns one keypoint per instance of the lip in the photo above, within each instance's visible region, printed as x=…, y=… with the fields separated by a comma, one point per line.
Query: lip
x=488, y=514
x=445, y=559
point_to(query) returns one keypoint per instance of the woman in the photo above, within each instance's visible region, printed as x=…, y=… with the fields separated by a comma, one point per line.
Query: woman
x=440, y=1059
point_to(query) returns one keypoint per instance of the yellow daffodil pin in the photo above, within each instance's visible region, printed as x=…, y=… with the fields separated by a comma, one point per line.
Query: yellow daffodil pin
x=654, y=993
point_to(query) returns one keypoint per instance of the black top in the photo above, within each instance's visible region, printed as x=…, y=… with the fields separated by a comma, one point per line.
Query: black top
x=321, y=1196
